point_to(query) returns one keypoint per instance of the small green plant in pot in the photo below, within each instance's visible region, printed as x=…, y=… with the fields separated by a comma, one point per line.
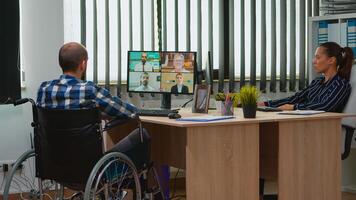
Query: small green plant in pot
x=248, y=97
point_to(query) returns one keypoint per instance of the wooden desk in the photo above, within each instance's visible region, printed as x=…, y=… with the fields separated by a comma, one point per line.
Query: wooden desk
x=222, y=159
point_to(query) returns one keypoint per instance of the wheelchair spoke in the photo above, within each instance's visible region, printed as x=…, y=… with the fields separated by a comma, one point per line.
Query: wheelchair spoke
x=98, y=181
x=18, y=181
x=121, y=195
x=31, y=184
x=24, y=183
x=122, y=175
x=18, y=186
x=114, y=176
x=111, y=178
x=31, y=165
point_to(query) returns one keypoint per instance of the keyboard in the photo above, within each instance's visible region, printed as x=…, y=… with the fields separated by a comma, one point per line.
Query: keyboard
x=268, y=109
x=158, y=112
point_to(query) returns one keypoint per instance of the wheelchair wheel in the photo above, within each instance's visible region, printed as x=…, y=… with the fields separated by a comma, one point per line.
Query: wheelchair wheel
x=22, y=183
x=112, y=178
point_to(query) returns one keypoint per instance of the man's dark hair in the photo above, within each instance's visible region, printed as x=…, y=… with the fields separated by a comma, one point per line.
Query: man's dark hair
x=71, y=55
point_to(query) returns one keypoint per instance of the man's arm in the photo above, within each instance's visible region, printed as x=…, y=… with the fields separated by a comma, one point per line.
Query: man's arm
x=113, y=106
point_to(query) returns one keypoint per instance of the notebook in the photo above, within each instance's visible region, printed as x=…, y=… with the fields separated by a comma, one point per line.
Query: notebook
x=205, y=118
x=301, y=112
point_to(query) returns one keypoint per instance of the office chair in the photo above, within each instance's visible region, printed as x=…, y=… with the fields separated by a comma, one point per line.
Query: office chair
x=349, y=124
x=68, y=153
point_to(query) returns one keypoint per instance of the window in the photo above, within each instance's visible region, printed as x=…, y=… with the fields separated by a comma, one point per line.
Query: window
x=195, y=25
x=285, y=27
x=199, y=14
x=145, y=34
x=268, y=36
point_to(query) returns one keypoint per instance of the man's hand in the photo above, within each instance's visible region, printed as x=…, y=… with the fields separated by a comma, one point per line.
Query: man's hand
x=287, y=107
x=261, y=103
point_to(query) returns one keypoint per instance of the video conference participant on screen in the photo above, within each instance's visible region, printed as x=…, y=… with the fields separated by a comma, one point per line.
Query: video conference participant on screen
x=179, y=87
x=178, y=63
x=143, y=65
x=144, y=86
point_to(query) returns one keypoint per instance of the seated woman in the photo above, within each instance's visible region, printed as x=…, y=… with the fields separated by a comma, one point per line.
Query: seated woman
x=329, y=92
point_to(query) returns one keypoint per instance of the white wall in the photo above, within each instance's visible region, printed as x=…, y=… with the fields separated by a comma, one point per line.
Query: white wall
x=42, y=36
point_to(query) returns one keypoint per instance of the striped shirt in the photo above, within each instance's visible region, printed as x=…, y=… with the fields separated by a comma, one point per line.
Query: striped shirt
x=330, y=96
x=68, y=92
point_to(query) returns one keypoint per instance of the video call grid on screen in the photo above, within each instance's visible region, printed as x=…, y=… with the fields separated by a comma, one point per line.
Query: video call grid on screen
x=161, y=72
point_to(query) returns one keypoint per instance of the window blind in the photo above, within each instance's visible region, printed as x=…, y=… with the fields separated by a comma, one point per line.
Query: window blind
x=252, y=50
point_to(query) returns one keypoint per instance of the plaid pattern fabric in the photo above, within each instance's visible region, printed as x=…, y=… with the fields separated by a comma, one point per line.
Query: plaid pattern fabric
x=68, y=92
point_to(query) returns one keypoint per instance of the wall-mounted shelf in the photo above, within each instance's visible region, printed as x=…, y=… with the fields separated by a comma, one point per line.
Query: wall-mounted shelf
x=336, y=28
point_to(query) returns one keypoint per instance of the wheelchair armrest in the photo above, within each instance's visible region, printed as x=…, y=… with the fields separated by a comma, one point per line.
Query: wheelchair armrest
x=24, y=100
x=116, y=122
x=348, y=140
x=348, y=127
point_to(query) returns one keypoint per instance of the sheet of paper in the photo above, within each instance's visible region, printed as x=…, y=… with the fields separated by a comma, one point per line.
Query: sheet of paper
x=205, y=118
x=301, y=112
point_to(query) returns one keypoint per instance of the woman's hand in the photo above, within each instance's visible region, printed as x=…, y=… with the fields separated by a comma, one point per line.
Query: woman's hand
x=287, y=107
x=261, y=103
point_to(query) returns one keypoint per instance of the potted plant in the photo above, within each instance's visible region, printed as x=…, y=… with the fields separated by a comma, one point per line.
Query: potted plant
x=248, y=97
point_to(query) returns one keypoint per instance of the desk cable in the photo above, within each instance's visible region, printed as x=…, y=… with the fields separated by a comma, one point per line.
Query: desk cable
x=185, y=104
x=174, y=196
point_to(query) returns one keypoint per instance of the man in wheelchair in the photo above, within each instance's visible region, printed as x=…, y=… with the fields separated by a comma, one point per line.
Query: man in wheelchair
x=68, y=142
x=70, y=91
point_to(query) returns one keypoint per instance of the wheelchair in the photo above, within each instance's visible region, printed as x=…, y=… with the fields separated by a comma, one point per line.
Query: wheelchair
x=67, y=152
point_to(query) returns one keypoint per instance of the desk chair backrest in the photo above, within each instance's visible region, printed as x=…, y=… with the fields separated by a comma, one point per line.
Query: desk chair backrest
x=351, y=103
x=68, y=143
x=349, y=123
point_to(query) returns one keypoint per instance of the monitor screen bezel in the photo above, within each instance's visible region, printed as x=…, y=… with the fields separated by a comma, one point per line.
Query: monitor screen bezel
x=195, y=71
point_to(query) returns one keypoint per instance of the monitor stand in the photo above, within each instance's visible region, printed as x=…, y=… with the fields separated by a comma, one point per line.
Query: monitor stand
x=166, y=101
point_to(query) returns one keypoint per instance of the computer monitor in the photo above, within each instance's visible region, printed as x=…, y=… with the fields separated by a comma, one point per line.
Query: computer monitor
x=164, y=72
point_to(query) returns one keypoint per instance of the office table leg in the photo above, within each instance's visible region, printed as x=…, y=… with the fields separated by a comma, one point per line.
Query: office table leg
x=309, y=161
x=223, y=162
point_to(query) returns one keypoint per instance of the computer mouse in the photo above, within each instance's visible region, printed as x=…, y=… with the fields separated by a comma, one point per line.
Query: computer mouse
x=174, y=116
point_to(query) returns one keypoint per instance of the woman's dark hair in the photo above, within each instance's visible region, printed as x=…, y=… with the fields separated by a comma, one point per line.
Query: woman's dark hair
x=344, y=58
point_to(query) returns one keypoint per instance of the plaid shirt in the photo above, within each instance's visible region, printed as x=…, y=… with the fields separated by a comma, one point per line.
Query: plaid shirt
x=68, y=92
